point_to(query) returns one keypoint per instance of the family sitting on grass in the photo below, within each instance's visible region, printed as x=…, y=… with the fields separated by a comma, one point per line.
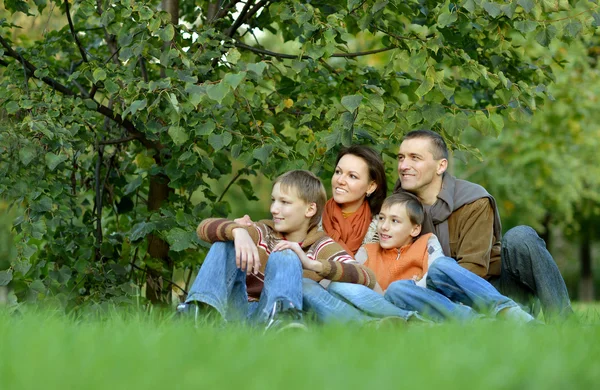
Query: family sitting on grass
x=431, y=251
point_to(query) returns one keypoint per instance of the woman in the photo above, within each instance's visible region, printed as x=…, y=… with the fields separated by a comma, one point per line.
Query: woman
x=358, y=186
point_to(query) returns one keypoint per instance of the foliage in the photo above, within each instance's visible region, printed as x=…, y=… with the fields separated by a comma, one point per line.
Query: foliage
x=117, y=120
x=554, y=175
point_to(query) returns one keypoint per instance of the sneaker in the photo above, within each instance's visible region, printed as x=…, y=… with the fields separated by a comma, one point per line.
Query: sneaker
x=284, y=316
x=202, y=313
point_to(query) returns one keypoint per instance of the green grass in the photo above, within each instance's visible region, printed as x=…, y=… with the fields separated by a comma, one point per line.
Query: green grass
x=48, y=350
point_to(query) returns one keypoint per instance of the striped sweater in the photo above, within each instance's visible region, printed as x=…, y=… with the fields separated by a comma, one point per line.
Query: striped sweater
x=337, y=264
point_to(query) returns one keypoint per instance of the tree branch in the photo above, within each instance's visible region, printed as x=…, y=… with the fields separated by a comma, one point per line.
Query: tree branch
x=72, y=28
x=240, y=20
x=117, y=141
x=305, y=57
x=237, y=176
x=127, y=124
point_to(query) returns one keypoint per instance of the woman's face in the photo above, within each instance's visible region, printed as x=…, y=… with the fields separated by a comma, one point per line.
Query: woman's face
x=351, y=183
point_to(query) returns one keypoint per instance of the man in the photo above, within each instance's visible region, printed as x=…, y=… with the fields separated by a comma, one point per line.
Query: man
x=464, y=217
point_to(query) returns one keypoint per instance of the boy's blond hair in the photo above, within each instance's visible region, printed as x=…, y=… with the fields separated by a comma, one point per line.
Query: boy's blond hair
x=414, y=207
x=308, y=187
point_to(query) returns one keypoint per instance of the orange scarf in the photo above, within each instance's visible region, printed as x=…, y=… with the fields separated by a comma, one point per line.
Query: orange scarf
x=348, y=232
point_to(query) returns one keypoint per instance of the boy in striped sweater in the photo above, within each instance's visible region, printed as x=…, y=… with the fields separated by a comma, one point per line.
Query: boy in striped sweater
x=255, y=272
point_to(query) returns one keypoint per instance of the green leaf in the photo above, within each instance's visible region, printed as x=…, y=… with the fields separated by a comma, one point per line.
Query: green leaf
x=217, y=91
x=145, y=13
x=99, y=74
x=545, y=35
x=446, y=18
x=180, y=239
x=52, y=160
x=136, y=106
x=178, y=134
x=219, y=141
x=454, y=124
x=497, y=123
x=469, y=5
x=573, y=28
x=426, y=85
x=42, y=205
x=12, y=107
x=596, y=16
x=167, y=33
x=234, y=79
x=141, y=230
x=133, y=185
x=257, y=68
x=492, y=8
x=525, y=26
x=247, y=188
x=111, y=86
x=233, y=56
x=174, y=101
x=206, y=128
x=5, y=277
x=17, y=6
x=377, y=102
x=351, y=102
x=262, y=154
x=26, y=154
x=381, y=4
x=527, y=5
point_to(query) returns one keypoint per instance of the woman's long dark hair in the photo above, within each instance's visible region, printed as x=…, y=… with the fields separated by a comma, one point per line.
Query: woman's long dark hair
x=376, y=172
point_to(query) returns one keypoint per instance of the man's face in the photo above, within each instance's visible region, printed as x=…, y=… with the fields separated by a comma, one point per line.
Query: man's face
x=290, y=213
x=417, y=168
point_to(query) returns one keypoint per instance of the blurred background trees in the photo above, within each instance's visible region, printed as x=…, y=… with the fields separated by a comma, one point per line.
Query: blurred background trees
x=125, y=122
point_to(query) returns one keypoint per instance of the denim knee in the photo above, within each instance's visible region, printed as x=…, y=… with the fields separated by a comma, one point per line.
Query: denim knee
x=343, y=289
x=519, y=237
x=285, y=259
x=310, y=286
x=399, y=286
x=439, y=267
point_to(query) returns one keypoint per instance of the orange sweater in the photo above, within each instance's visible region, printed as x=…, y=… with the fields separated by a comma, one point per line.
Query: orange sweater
x=390, y=265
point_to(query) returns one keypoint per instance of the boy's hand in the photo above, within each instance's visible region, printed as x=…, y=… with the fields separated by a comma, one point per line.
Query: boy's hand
x=245, y=220
x=307, y=263
x=246, y=252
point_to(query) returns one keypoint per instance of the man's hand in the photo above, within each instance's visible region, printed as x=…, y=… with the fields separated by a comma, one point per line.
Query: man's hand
x=245, y=220
x=246, y=251
x=312, y=265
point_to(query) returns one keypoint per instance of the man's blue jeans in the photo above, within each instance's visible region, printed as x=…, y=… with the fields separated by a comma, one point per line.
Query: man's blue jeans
x=222, y=285
x=451, y=293
x=348, y=302
x=529, y=273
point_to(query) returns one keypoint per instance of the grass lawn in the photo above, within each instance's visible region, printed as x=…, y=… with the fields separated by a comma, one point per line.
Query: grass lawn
x=48, y=350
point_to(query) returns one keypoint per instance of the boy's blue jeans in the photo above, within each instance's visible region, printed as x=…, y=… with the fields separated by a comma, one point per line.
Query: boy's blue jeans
x=348, y=302
x=222, y=285
x=448, y=283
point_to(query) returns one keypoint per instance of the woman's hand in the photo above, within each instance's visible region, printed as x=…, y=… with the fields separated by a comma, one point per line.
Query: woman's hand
x=312, y=265
x=246, y=252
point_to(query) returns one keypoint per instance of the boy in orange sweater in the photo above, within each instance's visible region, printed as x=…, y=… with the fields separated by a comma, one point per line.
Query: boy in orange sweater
x=255, y=272
x=401, y=261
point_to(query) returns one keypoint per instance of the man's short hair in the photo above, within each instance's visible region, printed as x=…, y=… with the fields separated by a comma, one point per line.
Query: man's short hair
x=308, y=187
x=414, y=207
x=439, y=149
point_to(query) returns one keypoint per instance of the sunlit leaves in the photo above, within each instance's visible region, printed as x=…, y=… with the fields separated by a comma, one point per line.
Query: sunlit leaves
x=351, y=102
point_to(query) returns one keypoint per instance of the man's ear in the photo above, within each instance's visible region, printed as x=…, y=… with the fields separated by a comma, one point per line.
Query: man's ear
x=442, y=166
x=416, y=230
x=311, y=210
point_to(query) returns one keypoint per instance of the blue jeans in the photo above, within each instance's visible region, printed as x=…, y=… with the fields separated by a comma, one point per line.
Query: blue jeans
x=431, y=304
x=448, y=283
x=529, y=274
x=222, y=285
x=348, y=302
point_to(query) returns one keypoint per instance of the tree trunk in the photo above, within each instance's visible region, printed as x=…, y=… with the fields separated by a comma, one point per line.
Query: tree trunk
x=586, y=283
x=157, y=290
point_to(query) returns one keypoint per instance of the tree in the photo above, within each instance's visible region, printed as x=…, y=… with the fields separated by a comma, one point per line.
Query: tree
x=554, y=179
x=116, y=121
